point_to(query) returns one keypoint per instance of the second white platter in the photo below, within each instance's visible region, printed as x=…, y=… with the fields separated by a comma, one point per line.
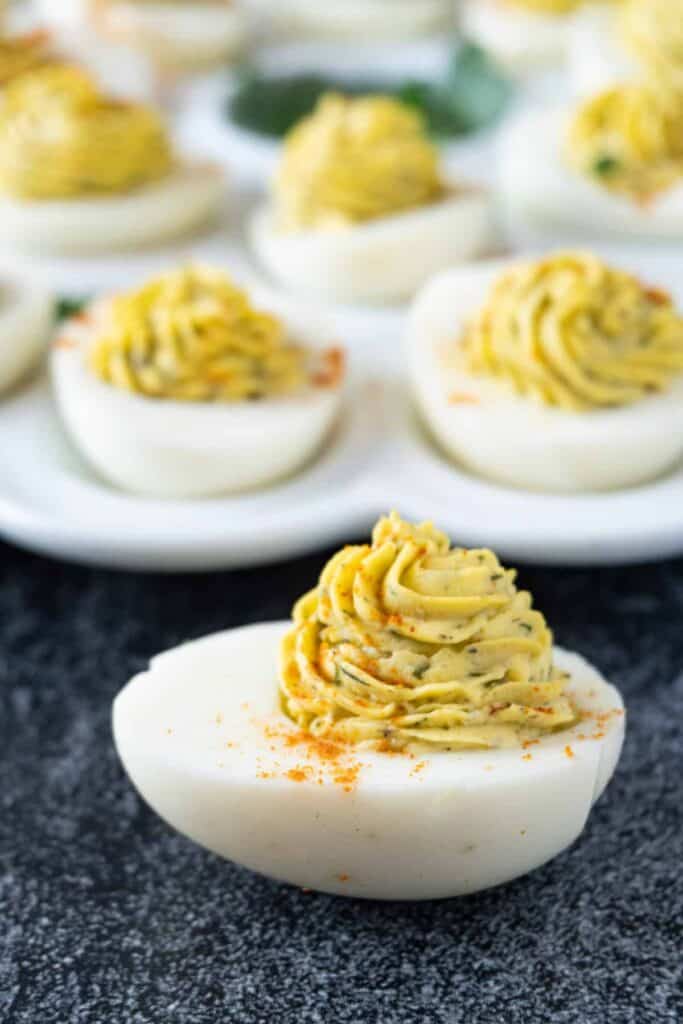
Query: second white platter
x=378, y=459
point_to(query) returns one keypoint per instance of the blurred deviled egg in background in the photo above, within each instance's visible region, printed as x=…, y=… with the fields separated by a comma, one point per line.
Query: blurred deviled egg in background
x=361, y=209
x=83, y=172
x=617, y=42
x=183, y=389
x=612, y=166
x=560, y=374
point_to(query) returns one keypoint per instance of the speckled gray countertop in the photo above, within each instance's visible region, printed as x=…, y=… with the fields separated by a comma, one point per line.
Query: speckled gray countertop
x=107, y=916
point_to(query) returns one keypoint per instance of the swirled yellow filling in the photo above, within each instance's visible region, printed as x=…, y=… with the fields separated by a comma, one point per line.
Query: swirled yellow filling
x=407, y=641
x=61, y=138
x=551, y=7
x=653, y=32
x=545, y=6
x=629, y=139
x=355, y=160
x=570, y=331
x=19, y=54
x=192, y=335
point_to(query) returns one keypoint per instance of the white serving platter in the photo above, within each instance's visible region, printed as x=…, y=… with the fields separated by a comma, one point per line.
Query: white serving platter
x=378, y=459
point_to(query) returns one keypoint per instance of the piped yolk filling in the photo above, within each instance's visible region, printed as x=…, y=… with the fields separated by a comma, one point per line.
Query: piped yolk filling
x=194, y=336
x=571, y=332
x=652, y=31
x=61, y=138
x=352, y=161
x=407, y=642
x=629, y=139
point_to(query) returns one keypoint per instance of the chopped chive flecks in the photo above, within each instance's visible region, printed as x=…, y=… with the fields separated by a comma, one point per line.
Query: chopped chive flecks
x=68, y=306
x=605, y=166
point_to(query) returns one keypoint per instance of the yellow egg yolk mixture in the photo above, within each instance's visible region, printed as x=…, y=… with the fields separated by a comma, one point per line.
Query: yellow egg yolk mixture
x=570, y=331
x=545, y=6
x=629, y=139
x=61, y=138
x=355, y=160
x=409, y=642
x=192, y=335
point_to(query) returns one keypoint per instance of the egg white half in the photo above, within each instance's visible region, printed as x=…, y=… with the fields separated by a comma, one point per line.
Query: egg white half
x=26, y=321
x=357, y=20
x=517, y=441
x=383, y=259
x=520, y=40
x=539, y=187
x=190, y=35
x=202, y=739
x=64, y=13
x=597, y=60
x=185, y=199
x=176, y=449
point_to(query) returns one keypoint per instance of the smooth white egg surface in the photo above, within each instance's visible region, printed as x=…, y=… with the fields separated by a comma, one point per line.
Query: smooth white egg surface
x=189, y=34
x=358, y=20
x=185, y=449
x=515, y=440
x=185, y=199
x=388, y=258
x=202, y=738
x=518, y=39
x=26, y=321
x=539, y=187
x=120, y=70
x=597, y=60
x=71, y=13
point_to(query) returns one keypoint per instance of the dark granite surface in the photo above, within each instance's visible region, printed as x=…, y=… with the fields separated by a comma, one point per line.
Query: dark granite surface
x=107, y=916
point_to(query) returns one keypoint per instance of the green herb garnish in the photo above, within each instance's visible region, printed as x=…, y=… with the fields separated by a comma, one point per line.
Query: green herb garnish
x=604, y=166
x=68, y=306
x=345, y=672
x=470, y=95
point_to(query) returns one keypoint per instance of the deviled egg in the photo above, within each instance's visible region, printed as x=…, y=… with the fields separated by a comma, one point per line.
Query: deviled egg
x=357, y=20
x=522, y=34
x=625, y=41
x=183, y=389
x=612, y=166
x=560, y=374
x=26, y=321
x=412, y=734
x=177, y=34
x=360, y=208
x=82, y=172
